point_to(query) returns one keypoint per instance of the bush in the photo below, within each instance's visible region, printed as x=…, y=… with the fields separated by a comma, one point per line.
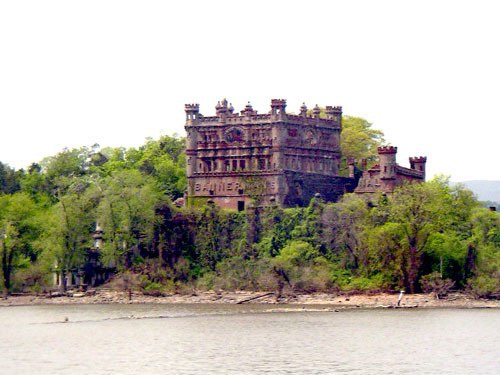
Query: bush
x=364, y=284
x=206, y=281
x=235, y=273
x=434, y=283
x=153, y=289
x=484, y=287
x=34, y=279
x=303, y=267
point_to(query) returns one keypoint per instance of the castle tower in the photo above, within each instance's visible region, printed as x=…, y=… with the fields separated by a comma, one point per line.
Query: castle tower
x=417, y=163
x=303, y=110
x=192, y=119
x=387, y=158
x=222, y=110
x=278, y=111
x=333, y=113
x=192, y=113
x=316, y=111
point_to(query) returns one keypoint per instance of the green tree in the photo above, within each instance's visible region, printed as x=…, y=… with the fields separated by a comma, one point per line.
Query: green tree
x=484, y=253
x=419, y=210
x=347, y=222
x=67, y=225
x=165, y=160
x=16, y=230
x=127, y=210
x=9, y=179
x=359, y=140
x=302, y=267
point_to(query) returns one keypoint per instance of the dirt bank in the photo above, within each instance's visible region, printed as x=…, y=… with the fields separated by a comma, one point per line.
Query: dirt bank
x=382, y=300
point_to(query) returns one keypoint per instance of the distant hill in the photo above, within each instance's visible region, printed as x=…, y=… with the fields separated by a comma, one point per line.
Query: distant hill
x=485, y=190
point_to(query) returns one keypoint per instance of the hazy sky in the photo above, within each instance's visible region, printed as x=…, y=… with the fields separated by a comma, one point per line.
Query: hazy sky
x=427, y=73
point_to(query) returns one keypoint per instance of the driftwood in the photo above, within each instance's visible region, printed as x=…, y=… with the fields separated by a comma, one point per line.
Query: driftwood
x=256, y=297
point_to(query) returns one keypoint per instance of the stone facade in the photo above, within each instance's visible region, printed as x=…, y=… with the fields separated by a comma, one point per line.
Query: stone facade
x=387, y=174
x=236, y=159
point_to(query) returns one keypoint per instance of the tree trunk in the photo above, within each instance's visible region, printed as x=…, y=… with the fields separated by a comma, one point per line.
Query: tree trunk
x=412, y=268
x=7, y=267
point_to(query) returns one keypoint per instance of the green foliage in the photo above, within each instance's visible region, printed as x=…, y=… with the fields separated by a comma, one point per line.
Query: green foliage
x=17, y=231
x=358, y=139
x=127, y=204
x=237, y=274
x=65, y=229
x=9, y=179
x=485, y=286
x=359, y=244
x=255, y=187
x=365, y=284
x=303, y=267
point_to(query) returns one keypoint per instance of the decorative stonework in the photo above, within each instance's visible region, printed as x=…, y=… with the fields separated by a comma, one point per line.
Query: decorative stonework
x=226, y=151
x=387, y=174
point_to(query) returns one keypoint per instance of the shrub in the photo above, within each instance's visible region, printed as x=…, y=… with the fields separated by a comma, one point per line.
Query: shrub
x=206, y=281
x=364, y=284
x=33, y=279
x=434, y=283
x=153, y=289
x=484, y=286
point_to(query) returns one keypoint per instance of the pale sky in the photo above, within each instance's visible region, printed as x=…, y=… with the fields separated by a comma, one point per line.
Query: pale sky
x=427, y=73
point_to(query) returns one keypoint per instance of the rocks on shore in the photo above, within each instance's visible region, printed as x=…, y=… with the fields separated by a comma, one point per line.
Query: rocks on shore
x=382, y=300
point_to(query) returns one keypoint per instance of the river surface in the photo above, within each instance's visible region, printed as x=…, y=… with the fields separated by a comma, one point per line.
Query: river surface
x=246, y=339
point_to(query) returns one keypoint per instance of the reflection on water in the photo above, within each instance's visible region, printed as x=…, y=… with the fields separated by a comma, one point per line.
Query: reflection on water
x=246, y=339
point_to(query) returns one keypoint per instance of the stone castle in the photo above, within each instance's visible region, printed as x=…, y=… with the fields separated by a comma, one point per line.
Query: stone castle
x=236, y=159
x=386, y=175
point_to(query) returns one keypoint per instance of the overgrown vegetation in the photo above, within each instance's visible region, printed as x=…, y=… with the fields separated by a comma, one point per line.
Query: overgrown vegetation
x=430, y=237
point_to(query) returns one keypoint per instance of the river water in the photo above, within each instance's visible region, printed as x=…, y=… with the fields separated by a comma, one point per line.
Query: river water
x=246, y=339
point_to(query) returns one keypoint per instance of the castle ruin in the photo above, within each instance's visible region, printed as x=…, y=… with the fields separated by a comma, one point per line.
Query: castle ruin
x=386, y=175
x=235, y=159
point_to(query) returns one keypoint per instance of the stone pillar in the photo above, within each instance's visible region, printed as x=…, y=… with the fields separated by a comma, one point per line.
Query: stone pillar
x=351, y=167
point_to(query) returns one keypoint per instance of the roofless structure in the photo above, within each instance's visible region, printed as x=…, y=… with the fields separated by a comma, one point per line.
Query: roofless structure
x=235, y=159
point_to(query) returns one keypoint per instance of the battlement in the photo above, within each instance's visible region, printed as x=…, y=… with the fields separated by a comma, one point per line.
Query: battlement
x=387, y=150
x=417, y=163
x=225, y=114
x=228, y=150
x=418, y=159
x=333, y=113
x=194, y=107
x=333, y=109
x=278, y=103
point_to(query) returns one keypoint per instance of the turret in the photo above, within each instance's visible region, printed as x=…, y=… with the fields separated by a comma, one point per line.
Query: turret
x=303, y=110
x=192, y=118
x=192, y=113
x=278, y=107
x=316, y=111
x=418, y=163
x=334, y=113
x=222, y=110
x=248, y=111
x=387, y=161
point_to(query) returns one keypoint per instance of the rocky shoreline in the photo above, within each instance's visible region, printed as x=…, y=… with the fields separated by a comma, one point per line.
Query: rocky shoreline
x=381, y=300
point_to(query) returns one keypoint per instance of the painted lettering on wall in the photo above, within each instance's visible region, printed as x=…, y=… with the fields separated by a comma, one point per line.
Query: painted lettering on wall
x=228, y=187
